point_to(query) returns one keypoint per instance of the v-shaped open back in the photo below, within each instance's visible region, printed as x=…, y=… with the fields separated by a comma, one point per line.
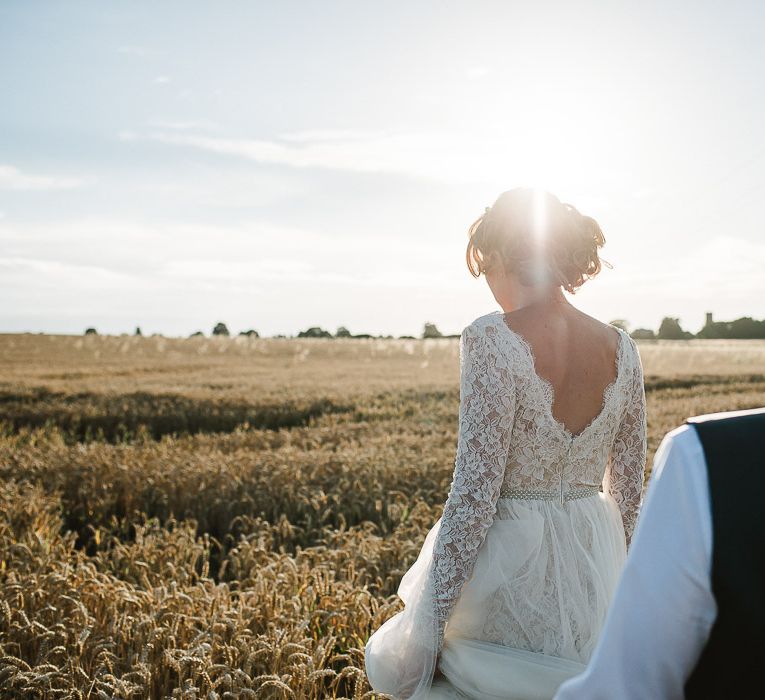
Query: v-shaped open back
x=548, y=390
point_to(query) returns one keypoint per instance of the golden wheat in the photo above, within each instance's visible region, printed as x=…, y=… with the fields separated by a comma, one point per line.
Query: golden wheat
x=230, y=518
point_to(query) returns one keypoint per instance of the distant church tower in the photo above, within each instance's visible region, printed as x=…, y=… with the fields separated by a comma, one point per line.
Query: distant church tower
x=709, y=319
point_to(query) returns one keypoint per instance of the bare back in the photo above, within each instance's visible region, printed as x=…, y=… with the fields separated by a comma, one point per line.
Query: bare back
x=574, y=353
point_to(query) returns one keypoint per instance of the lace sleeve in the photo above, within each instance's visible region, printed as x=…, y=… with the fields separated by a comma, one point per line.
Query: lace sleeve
x=487, y=406
x=626, y=465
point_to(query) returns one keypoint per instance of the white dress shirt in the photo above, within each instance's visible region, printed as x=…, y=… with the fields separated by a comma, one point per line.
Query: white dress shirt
x=663, y=608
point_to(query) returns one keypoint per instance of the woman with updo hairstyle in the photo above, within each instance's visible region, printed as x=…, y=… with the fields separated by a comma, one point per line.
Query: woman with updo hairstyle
x=511, y=586
x=543, y=241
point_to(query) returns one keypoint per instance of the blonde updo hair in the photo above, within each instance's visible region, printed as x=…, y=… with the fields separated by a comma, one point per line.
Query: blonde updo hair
x=537, y=237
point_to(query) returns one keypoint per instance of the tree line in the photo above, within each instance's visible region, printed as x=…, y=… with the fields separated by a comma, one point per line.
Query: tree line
x=670, y=329
x=429, y=331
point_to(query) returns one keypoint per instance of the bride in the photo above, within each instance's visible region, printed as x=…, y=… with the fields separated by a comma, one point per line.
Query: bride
x=511, y=587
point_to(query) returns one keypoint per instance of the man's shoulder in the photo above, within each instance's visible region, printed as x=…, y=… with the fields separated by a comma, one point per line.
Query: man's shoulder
x=682, y=438
x=679, y=450
x=732, y=437
x=751, y=414
x=680, y=433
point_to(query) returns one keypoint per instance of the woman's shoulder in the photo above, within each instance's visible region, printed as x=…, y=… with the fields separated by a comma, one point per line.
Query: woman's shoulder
x=478, y=326
x=626, y=347
x=484, y=320
x=489, y=334
x=621, y=339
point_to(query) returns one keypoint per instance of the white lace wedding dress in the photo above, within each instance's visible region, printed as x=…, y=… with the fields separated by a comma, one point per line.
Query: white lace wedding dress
x=512, y=584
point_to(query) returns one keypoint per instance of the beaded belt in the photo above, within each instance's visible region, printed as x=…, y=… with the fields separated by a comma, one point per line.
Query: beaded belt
x=548, y=494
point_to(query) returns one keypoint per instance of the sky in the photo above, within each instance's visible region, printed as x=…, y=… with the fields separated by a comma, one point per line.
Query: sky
x=284, y=165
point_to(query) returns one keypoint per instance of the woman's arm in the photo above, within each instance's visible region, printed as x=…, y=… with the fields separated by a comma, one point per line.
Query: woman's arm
x=487, y=408
x=626, y=466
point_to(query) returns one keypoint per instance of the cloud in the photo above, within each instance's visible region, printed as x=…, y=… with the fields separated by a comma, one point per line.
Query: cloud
x=181, y=125
x=724, y=262
x=11, y=178
x=476, y=72
x=161, y=79
x=266, y=268
x=180, y=255
x=54, y=272
x=308, y=135
x=139, y=51
x=440, y=156
x=528, y=153
x=723, y=275
x=149, y=249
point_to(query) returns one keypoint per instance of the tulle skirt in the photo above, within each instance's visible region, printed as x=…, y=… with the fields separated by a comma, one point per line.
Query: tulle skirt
x=527, y=619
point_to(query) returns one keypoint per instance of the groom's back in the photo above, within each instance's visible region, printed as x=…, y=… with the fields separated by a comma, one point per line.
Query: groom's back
x=734, y=450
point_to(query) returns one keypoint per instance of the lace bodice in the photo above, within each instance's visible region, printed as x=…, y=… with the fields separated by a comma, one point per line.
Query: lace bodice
x=508, y=436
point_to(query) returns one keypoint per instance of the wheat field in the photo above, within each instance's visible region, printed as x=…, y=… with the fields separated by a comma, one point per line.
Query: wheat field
x=230, y=517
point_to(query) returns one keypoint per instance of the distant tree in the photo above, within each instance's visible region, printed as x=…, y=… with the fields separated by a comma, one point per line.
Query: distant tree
x=407, y=337
x=196, y=333
x=91, y=331
x=361, y=335
x=430, y=331
x=620, y=323
x=279, y=335
x=643, y=334
x=670, y=329
x=716, y=329
x=138, y=330
x=746, y=327
x=342, y=332
x=252, y=332
x=220, y=329
x=314, y=332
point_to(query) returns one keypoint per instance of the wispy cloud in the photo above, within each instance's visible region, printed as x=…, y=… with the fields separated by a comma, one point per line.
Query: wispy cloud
x=150, y=249
x=476, y=72
x=139, y=51
x=265, y=268
x=246, y=252
x=11, y=178
x=308, y=135
x=478, y=158
x=78, y=276
x=683, y=286
x=433, y=155
x=181, y=125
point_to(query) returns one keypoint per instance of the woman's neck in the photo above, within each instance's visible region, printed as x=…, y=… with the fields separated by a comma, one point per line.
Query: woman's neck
x=522, y=297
